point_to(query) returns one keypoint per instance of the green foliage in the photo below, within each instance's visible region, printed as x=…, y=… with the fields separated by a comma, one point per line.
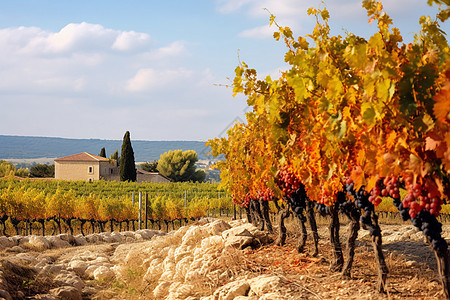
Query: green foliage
x=102, y=152
x=150, y=166
x=127, y=166
x=42, y=170
x=444, y=13
x=6, y=168
x=22, y=172
x=179, y=166
x=115, y=155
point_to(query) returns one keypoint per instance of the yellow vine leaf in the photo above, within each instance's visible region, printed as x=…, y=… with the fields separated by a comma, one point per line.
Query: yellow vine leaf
x=391, y=139
x=371, y=183
x=361, y=158
x=441, y=108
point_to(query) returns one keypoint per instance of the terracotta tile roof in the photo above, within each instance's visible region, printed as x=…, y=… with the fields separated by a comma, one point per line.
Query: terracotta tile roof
x=82, y=157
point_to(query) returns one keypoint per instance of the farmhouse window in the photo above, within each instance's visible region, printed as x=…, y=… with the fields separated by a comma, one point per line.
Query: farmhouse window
x=91, y=170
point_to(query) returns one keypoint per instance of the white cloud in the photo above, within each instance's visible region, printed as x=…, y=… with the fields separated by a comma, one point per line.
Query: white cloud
x=261, y=32
x=131, y=40
x=74, y=37
x=174, y=49
x=150, y=79
x=81, y=58
x=229, y=6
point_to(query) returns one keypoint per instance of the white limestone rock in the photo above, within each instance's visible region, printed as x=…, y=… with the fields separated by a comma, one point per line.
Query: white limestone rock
x=80, y=240
x=70, y=279
x=265, y=284
x=6, y=242
x=161, y=290
x=66, y=293
x=238, y=237
x=232, y=290
x=78, y=266
x=103, y=273
x=39, y=242
x=57, y=242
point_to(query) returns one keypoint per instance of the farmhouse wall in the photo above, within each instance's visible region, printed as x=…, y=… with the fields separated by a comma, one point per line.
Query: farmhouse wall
x=77, y=170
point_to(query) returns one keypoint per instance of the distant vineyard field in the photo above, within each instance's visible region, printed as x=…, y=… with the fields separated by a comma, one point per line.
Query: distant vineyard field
x=30, y=201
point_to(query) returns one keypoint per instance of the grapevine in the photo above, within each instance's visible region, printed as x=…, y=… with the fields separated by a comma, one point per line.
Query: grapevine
x=351, y=121
x=73, y=204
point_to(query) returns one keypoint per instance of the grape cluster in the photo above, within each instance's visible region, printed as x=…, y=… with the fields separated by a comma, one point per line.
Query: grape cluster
x=345, y=203
x=421, y=204
x=422, y=196
x=389, y=186
x=266, y=194
x=361, y=198
x=322, y=208
x=431, y=227
x=288, y=181
x=297, y=200
x=245, y=201
x=293, y=190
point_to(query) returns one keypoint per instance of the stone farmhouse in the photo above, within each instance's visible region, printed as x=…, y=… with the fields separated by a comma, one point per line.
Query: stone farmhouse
x=89, y=167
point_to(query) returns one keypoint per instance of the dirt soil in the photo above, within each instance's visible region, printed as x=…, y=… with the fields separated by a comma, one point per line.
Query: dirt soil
x=411, y=263
x=412, y=269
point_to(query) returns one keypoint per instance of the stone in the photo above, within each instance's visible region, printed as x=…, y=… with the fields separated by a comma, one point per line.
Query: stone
x=103, y=273
x=67, y=237
x=39, y=242
x=92, y=238
x=218, y=226
x=44, y=297
x=232, y=290
x=80, y=240
x=21, y=240
x=161, y=290
x=116, y=236
x=194, y=235
x=24, y=259
x=5, y=295
x=78, y=266
x=238, y=237
x=179, y=290
x=15, y=249
x=272, y=296
x=6, y=242
x=57, y=242
x=265, y=284
x=107, y=238
x=70, y=279
x=52, y=269
x=147, y=234
x=89, y=272
x=100, y=260
x=128, y=234
x=66, y=293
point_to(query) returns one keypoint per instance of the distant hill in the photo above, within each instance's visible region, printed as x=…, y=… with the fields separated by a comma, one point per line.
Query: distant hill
x=27, y=147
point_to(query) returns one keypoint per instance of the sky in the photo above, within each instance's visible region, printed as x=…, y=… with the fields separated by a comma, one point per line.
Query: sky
x=159, y=69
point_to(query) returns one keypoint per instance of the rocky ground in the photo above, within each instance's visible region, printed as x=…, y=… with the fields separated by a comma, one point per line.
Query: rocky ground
x=212, y=259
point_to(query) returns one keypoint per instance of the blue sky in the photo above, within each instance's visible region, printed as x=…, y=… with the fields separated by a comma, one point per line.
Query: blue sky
x=95, y=69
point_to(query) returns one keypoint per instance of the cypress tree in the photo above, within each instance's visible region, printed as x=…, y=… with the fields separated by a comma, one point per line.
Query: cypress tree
x=127, y=166
x=102, y=152
x=115, y=156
